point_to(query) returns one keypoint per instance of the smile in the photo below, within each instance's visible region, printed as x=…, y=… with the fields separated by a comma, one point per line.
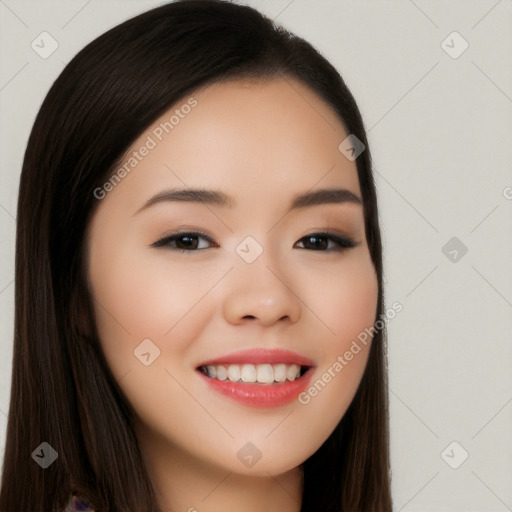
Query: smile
x=250, y=373
x=258, y=377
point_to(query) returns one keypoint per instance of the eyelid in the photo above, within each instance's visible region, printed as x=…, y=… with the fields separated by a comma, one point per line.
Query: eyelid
x=344, y=242
x=162, y=242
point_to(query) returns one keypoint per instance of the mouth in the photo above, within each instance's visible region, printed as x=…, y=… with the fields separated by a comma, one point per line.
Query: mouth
x=258, y=377
x=265, y=374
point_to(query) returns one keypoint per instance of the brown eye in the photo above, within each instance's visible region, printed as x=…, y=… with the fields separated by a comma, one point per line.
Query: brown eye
x=184, y=242
x=320, y=242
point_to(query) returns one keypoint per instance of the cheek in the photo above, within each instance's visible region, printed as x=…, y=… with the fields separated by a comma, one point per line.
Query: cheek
x=347, y=304
x=344, y=299
x=138, y=298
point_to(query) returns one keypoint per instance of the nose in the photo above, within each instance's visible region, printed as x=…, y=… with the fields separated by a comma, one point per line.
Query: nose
x=258, y=292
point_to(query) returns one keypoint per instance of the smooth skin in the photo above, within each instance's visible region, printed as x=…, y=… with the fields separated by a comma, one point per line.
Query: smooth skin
x=262, y=143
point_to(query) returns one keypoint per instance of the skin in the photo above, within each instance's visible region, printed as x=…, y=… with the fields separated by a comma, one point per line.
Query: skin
x=261, y=142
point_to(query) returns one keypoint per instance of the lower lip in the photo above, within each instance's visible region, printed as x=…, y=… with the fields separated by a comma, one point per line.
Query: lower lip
x=260, y=395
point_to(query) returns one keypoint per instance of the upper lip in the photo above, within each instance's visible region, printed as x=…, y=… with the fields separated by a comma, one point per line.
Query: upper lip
x=260, y=356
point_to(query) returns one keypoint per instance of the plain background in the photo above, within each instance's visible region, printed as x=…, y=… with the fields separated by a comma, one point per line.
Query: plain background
x=440, y=130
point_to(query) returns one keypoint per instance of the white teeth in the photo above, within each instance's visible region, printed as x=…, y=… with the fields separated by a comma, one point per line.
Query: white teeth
x=248, y=373
x=222, y=373
x=212, y=371
x=292, y=371
x=261, y=373
x=265, y=373
x=234, y=373
x=280, y=372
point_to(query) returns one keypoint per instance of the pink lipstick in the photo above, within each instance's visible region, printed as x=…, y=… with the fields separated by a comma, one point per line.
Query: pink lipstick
x=258, y=377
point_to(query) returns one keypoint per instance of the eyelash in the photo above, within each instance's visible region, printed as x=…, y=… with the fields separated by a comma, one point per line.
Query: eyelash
x=342, y=241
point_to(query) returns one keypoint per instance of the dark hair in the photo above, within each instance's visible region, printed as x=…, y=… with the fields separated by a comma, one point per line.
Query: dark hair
x=62, y=390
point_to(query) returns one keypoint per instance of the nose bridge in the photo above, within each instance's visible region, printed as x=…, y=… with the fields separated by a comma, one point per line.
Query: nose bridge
x=259, y=288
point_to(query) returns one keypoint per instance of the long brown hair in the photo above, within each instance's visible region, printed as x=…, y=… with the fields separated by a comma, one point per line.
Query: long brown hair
x=62, y=390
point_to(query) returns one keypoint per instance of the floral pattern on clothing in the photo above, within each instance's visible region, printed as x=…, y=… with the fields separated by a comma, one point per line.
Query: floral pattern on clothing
x=76, y=504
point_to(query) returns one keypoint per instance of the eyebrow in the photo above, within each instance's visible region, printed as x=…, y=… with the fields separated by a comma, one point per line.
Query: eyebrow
x=217, y=198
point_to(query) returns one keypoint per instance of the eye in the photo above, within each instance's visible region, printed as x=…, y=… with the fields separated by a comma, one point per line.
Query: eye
x=184, y=241
x=320, y=242
x=191, y=241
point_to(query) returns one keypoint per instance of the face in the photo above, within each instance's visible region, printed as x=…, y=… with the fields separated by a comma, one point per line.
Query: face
x=195, y=291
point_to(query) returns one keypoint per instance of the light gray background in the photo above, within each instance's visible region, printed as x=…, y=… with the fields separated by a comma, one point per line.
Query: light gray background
x=440, y=130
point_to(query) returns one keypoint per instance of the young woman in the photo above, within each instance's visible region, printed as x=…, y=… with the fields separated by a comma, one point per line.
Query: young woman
x=199, y=301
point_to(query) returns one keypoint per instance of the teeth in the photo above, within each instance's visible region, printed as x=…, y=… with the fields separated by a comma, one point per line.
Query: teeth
x=234, y=373
x=222, y=373
x=265, y=373
x=212, y=371
x=261, y=373
x=280, y=372
x=248, y=373
x=292, y=372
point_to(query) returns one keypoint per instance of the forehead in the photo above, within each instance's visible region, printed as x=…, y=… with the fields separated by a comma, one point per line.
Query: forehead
x=279, y=120
x=246, y=137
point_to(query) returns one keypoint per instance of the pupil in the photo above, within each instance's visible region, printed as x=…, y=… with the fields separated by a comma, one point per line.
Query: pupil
x=189, y=242
x=317, y=241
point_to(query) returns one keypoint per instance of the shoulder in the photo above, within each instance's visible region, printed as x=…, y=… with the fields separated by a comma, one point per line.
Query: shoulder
x=76, y=504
